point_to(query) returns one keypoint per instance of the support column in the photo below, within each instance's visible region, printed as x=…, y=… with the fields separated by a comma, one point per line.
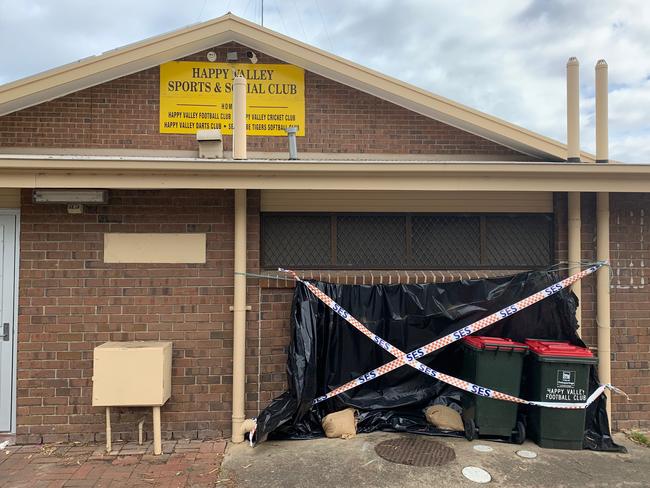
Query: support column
x=602, y=238
x=574, y=249
x=602, y=296
x=239, y=319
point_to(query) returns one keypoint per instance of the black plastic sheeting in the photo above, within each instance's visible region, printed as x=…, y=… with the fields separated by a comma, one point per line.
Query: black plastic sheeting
x=326, y=352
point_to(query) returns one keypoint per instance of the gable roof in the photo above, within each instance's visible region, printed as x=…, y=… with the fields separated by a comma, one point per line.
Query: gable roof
x=177, y=44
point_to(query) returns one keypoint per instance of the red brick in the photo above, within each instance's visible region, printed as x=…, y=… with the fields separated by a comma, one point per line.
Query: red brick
x=123, y=113
x=55, y=348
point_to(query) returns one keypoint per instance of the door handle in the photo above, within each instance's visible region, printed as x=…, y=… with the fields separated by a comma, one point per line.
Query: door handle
x=5, y=331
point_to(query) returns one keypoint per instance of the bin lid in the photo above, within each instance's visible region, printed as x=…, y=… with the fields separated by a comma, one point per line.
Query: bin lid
x=558, y=349
x=493, y=343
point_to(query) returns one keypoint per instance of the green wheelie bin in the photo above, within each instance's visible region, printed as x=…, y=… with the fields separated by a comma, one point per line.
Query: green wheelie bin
x=557, y=371
x=493, y=363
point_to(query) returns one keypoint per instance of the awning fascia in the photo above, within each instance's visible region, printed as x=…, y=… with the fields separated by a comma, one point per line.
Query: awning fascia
x=157, y=173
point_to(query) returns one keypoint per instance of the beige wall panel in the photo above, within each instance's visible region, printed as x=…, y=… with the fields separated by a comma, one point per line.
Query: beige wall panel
x=404, y=201
x=9, y=198
x=154, y=248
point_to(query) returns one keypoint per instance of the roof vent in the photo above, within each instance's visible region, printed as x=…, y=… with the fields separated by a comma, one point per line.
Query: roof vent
x=293, y=146
x=210, y=144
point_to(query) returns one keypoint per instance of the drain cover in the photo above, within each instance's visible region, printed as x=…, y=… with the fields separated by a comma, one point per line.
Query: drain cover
x=527, y=454
x=415, y=452
x=483, y=448
x=477, y=475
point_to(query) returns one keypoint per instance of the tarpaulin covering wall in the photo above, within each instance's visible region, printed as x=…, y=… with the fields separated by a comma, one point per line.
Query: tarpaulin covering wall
x=326, y=352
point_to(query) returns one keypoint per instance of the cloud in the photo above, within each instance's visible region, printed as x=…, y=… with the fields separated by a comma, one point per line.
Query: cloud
x=36, y=35
x=506, y=58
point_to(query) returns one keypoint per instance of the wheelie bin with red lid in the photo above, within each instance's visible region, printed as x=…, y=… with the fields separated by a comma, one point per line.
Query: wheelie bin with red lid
x=494, y=363
x=557, y=371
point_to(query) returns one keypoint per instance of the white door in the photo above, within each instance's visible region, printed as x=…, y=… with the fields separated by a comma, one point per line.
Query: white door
x=7, y=325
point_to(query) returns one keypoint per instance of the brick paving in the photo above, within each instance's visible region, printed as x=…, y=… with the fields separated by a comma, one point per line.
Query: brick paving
x=184, y=463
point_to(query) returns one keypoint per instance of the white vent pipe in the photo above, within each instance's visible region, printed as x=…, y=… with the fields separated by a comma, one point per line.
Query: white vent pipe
x=602, y=135
x=573, y=156
x=239, y=118
x=573, y=110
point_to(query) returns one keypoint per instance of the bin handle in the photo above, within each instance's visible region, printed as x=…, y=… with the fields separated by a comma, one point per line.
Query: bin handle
x=510, y=348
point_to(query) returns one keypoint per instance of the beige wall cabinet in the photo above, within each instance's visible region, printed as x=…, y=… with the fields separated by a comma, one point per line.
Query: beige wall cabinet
x=133, y=374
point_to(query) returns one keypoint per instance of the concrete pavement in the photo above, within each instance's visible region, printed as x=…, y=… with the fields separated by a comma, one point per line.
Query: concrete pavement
x=354, y=463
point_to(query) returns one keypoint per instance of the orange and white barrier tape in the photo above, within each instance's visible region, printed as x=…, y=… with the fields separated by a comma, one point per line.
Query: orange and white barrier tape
x=412, y=357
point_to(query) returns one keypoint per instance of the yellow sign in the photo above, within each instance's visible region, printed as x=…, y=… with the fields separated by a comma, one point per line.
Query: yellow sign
x=196, y=95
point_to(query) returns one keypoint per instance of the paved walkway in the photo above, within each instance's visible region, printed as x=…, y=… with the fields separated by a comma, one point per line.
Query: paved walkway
x=321, y=462
x=336, y=463
x=182, y=464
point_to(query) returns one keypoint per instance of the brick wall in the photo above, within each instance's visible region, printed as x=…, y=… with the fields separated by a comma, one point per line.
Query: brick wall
x=630, y=297
x=124, y=114
x=630, y=302
x=70, y=302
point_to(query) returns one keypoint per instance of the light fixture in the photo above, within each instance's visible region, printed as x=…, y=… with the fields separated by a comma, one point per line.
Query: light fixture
x=70, y=196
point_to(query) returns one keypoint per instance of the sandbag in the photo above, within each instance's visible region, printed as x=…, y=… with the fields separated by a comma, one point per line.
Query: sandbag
x=444, y=418
x=341, y=424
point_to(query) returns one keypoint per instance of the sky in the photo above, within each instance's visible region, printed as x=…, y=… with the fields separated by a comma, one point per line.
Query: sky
x=505, y=58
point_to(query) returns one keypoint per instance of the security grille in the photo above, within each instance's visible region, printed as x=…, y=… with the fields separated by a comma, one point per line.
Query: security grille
x=518, y=241
x=296, y=240
x=407, y=241
x=446, y=241
x=372, y=240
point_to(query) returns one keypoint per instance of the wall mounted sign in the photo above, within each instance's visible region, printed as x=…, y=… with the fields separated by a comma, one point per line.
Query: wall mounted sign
x=197, y=95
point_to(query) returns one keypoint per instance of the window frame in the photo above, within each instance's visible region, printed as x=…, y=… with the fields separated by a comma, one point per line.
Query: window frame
x=333, y=216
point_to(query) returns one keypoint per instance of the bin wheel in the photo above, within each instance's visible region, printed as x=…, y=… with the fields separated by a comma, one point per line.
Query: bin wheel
x=519, y=435
x=470, y=429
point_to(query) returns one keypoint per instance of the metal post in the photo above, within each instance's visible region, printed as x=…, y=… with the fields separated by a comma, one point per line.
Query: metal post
x=157, y=438
x=140, y=429
x=109, y=434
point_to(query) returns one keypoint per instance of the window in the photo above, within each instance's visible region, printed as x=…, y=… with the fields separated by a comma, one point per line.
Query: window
x=407, y=241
